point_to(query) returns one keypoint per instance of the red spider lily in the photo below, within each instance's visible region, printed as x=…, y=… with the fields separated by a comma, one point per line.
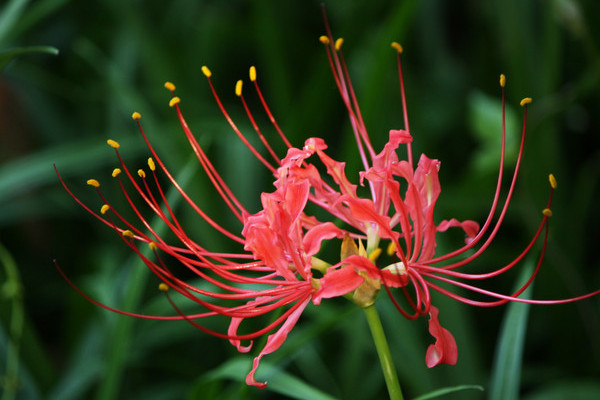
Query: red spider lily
x=278, y=271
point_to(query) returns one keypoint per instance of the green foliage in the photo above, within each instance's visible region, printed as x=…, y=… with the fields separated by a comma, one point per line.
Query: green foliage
x=111, y=57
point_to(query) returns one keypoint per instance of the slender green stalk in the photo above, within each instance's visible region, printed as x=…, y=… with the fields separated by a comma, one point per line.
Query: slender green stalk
x=383, y=351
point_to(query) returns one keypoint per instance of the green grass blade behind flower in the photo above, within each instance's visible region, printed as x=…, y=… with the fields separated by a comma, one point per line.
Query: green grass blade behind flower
x=9, y=16
x=278, y=381
x=7, y=55
x=441, y=392
x=506, y=374
x=121, y=339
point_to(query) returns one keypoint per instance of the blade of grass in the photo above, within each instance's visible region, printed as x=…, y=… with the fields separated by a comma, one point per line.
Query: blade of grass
x=506, y=374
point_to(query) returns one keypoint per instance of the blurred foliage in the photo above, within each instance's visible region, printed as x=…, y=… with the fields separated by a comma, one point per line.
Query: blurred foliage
x=114, y=57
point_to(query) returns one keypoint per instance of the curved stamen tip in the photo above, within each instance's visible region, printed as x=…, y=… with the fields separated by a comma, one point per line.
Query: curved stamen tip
x=152, y=246
x=163, y=287
x=93, y=182
x=398, y=47
x=169, y=86
x=114, y=144
x=173, y=101
x=104, y=209
x=141, y=173
x=338, y=44
x=552, y=180
x=127, y=233
x=136, y=115
x=324, y=39
x=252, y=73
x=151, y=164
x=238, y=88
x=526, y=100
x=503, y=81
x=206, y=71
x=547, y=212
x=116, y=172
x=375, y=254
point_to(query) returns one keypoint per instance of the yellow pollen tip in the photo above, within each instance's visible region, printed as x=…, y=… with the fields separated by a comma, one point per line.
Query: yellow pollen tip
x=324, y=39
x=252, y=73
x=552, y=180
x=153, y=246
x=375, y=254
x=526, y=100
x=338, y=44
x=116, y=172
x=391, y=249
x=151, y=164
x=104, y=209
x=93, y=182
x=128, y=234
x=398, y=47
x=114, y=144
x=174, y=100
x=238, y=88
x=136, y=115
x=502, y=80
x=163, y=287
x=547, y=212
x=169, y=86
x=141, y=173
x=206, y=71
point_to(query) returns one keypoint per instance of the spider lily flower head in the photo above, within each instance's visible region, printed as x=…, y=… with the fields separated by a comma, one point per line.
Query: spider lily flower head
x=278, y=270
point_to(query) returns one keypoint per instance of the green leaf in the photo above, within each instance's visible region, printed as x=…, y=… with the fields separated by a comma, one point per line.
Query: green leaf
x=506, y=374
x=447, y=390
x=7, y=55
x=278, y=382
x=10, y=15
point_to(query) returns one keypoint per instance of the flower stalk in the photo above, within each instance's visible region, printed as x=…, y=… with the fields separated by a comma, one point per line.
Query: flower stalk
x=383, y=352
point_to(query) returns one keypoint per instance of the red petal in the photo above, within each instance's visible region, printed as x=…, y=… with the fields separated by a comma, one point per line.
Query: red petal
x=444, y=351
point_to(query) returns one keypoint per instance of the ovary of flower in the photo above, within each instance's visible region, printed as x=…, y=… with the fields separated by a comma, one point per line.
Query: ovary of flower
x=278, y=268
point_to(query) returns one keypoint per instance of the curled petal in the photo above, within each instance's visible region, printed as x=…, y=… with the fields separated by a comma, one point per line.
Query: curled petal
x=337, y=282
x=232, y=331
x=275, y=341
x=444, y=350
x=315, y=235
x=470, y=227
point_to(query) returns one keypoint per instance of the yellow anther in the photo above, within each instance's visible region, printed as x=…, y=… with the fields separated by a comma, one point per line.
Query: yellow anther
x=397, y=47
x=93, y=182
x=114, y=144
x=375, y=254
x=391, y=249
x=324, y=39
x=206, y=71
x=128, y=234
x=136, y=115
x=552, y=180
x=153, y=246
x=104, y=209
x=163, y=287
x=151, y=164
x=252, y=73
x=526, y=100
x=502, y=80
x=174, y=100
x=141, y=173
x=238, y=88
x=169, y=86
x=116, y=172
x=547, y=212
x=338, y=44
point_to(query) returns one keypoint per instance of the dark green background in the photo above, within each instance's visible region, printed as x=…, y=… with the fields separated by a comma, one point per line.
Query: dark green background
x=115, y=56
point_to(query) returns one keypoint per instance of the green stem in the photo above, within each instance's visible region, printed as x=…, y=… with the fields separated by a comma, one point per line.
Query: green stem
x=383, y=351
